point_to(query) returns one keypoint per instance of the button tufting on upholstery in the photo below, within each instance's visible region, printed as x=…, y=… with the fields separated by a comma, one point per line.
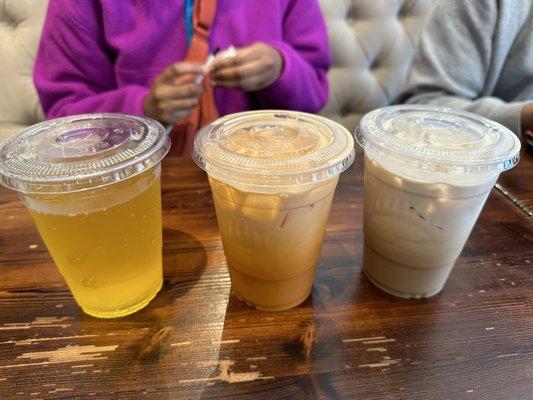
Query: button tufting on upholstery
x=372, y=45
x=8, y=16
x=407, y=9
x=376, y=62
x=20, y=27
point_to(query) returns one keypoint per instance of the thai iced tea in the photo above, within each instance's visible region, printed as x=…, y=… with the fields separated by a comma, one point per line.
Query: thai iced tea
x=273, y=176
x=272, y=242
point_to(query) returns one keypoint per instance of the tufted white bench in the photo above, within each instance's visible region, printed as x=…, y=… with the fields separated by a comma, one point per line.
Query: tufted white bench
x=371, y=40
x=20, y=28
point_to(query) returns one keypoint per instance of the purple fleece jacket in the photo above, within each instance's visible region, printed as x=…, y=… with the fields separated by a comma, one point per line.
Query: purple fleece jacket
x=102, y=55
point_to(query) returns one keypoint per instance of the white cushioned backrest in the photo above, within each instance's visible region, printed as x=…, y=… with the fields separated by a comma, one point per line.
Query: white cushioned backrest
x=371, y=40
x=20, y=28
x=372, y=43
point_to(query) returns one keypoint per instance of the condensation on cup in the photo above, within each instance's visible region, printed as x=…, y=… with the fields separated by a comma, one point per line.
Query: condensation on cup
x=428, y=173
x=273, y=176
x=92, y=186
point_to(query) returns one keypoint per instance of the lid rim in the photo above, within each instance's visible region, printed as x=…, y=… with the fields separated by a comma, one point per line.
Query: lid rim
x=207, y=151
x=55, y=184
x=281, y=173
x=147, y=149
x=128, y=164
x=293, y=173
x=499, y=162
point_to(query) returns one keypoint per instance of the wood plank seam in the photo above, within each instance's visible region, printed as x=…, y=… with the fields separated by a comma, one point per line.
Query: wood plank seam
x=514, y=200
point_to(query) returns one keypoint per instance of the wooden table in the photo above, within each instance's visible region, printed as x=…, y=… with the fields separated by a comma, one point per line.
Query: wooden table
x=517, y=184
x=197, y=341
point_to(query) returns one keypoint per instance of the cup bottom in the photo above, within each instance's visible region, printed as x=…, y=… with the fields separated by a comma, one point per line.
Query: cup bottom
x=272, y=295
x=402, y=280
x=259, y=307
x=126, y=311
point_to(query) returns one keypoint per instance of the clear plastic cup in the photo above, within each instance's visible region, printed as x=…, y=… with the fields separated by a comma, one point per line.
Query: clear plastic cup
x=92, y=185
x=273, y=175
x=428, y=172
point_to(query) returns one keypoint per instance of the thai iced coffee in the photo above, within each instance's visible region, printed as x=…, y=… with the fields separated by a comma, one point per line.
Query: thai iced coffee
x=428, y=173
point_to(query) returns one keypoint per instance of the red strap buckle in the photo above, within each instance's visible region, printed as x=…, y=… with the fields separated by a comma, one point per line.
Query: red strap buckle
x=204, y=15
x=202, y=28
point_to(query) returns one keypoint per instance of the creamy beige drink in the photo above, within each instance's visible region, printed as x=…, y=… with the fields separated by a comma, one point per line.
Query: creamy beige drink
x=428, y=173
x=273, y=175
x=414, y=230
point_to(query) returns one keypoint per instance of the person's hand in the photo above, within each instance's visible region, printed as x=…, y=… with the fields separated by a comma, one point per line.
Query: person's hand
x=527, y=118
x=174, y=93
x=253, y=68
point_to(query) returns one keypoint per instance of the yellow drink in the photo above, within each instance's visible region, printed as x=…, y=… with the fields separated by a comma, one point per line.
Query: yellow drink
x=107, y=242
x=92, y=185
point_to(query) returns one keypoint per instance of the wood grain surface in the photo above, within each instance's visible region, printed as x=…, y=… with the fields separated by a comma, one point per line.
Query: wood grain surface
x=349, y=340
x=517, y=183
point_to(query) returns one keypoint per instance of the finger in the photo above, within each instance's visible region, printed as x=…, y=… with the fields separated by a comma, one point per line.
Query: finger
x=239, y=72
x=184, y=68
x=184, y=79
x=248, y=84
x=166, y=75
x=243, y=56
x=179, y=105
x=179, y=69
x=168, y=92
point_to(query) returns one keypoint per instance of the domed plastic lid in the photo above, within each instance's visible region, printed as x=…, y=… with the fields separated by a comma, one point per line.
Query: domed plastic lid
x=273, y=148
x=81, y=152
x=439, y=139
